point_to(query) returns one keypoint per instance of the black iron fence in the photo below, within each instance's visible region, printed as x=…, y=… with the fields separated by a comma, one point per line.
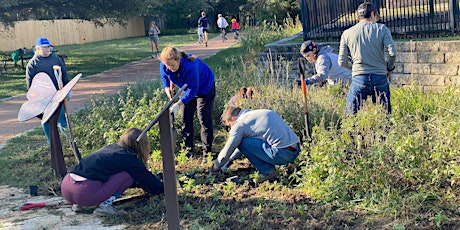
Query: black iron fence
x=325, y=20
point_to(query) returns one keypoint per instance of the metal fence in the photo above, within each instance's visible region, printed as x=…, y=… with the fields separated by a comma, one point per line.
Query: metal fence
x=325, y=20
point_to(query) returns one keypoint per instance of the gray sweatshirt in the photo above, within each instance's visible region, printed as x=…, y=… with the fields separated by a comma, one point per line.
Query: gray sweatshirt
x=261, y=124
x=327, y=68
x=367, y=43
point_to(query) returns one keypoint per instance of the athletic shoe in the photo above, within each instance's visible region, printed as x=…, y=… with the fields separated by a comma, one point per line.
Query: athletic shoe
x=154, y=56
x=206, y=44
x=76, y=208
x=108, y=210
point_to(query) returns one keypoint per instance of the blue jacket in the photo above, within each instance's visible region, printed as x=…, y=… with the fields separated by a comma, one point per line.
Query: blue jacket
x=197, y=75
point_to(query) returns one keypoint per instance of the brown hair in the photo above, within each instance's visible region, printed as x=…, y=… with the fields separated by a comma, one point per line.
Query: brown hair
x=229, y=112
x=245, y=92
x=170, y=52
x=142, y=148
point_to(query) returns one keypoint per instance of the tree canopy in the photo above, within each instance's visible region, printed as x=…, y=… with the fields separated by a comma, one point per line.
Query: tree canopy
x=175, y=13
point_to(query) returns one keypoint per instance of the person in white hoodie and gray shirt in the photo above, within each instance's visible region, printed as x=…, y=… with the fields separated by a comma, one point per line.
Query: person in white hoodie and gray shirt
x=326, y=65
x=260, y=135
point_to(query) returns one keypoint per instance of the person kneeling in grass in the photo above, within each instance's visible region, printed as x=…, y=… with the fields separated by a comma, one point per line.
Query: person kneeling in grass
x=104, y=175
x=260, y=135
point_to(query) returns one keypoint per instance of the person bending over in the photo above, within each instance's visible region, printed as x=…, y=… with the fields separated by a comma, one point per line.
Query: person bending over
x=104, y=175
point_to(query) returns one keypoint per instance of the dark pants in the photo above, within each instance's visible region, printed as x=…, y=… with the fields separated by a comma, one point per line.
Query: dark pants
x=203, y=105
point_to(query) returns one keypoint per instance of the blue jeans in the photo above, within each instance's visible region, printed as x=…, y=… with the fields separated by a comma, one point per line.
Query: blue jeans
x=62, y=123
x=362, y=86
x=252, y=149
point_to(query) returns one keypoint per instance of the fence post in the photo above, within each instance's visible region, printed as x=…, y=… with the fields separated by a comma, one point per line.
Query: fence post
x=305, y=19
x=451, y=17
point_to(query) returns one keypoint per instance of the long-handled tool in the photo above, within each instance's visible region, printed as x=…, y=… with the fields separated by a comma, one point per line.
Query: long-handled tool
x=76, y=152
x=30, y=205
x=304, y=99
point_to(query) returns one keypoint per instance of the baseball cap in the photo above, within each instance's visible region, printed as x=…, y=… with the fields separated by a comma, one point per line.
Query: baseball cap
x=219, y=15
x=365, y=9
x=307, y=46
x=42, y=42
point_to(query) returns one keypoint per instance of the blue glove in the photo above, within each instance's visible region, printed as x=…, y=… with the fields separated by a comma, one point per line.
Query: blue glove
x=308, y=81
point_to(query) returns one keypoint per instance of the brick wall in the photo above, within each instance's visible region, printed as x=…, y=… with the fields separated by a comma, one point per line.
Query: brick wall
x=431, y=64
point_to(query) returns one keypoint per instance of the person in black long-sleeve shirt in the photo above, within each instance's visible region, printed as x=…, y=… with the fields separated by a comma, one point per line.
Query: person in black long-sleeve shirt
x=104, y=175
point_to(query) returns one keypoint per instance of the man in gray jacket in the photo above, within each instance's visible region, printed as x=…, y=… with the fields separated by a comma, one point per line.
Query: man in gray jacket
x=260, y=135
x=366, y=43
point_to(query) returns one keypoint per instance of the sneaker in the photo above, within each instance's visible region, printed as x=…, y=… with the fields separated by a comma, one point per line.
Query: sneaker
x=206, y=44
x=273, y=175
x=76, y=208
x=108, y=210
x=154, y=56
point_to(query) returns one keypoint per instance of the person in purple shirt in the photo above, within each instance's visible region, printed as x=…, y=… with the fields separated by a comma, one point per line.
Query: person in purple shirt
x=104, y=175
x=179, y=68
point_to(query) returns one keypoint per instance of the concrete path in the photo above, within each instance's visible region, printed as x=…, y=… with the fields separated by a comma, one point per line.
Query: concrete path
x=107, y=83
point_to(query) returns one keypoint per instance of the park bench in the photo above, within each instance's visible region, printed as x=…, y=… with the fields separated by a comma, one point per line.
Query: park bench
x=23, y=56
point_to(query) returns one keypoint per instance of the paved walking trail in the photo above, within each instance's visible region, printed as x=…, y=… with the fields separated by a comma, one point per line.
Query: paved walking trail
x=107, y=83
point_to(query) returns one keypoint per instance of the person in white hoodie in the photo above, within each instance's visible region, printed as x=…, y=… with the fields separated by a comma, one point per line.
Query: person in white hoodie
x=222, y=24
x=326, y=65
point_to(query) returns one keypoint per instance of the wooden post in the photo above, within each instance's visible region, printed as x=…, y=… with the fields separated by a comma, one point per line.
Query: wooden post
x=169, y=171
x=57, y=156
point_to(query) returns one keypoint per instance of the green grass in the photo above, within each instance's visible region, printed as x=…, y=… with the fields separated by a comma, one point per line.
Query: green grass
x=92, y=58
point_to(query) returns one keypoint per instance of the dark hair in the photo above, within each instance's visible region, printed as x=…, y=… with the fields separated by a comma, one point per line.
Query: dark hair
x=365, y=10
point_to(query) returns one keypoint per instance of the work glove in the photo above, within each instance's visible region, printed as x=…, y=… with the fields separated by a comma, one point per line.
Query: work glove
x=174, y=109
x=214, y=171
x=307, y=81
x=226, y=165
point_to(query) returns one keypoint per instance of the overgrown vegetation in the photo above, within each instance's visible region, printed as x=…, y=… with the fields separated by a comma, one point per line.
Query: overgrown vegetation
x=365, y=171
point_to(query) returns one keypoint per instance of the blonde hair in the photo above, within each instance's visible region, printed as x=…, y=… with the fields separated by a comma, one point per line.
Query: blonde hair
x=172, y=53
x=142, y=148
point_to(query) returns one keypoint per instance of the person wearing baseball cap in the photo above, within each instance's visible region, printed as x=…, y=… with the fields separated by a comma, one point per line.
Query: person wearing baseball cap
x=326, y=65
x=43, y=61
x=373, y=55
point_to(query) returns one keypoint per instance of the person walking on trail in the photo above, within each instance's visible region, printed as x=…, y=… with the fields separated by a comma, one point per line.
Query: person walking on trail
x=326, y=65
x=260, y=135
x=154, y=31
x=43, y=61
x=235, y=28
x=179, y=68
x=203, y=22
x=222, y=24
x=200, y=34
x=104, y=175
x=367, y=43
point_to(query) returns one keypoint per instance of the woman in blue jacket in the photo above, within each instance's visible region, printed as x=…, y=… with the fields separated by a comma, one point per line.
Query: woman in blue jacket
x=179, y=68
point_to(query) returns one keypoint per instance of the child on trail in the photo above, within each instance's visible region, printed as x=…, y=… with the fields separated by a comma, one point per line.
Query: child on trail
x=235, y=28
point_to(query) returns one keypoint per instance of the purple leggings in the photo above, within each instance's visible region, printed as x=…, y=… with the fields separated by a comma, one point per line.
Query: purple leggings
x=92, y=192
